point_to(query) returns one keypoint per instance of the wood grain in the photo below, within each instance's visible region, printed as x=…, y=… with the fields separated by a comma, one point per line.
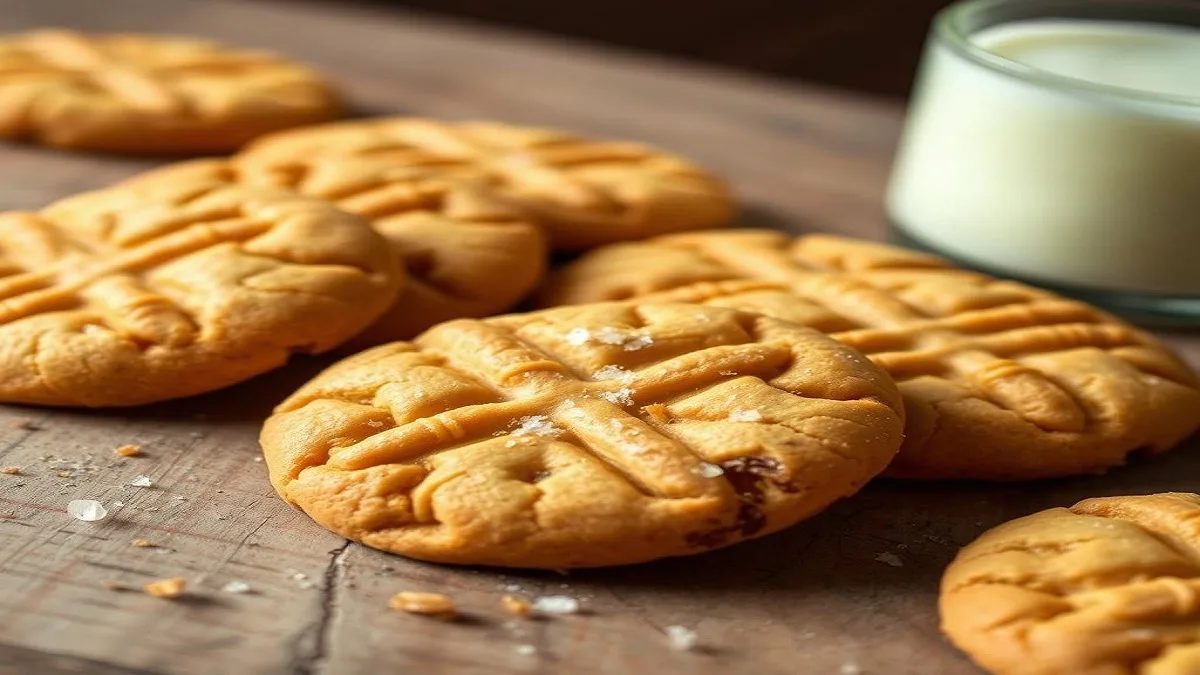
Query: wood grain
x=811, y=599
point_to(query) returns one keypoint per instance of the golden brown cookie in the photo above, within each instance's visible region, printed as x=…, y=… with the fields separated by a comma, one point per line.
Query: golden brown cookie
x=467, y=254
x=139, y=294
x=583, y=436
x=150, y=94
x=582, y=192
x=1110, y=586
x=1001, y=381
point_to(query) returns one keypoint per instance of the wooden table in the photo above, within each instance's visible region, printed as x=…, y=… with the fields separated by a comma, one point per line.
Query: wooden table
x=850, y=591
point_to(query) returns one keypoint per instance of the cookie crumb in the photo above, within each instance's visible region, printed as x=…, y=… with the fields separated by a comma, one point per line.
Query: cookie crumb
x=87, y=510
x=745, y=416
x=556, y=604
x=890, y=559
x=167, y=588
x=708, y=470
x=850, y=668
x=129, y=451
x=11, y=470
x=525, y=650
x=236, y=587
x=516, y=606
x=142, y=543
x=141, y=481
x=425, y=604
x=682, y=638
x=658, y=413
x=63, y=474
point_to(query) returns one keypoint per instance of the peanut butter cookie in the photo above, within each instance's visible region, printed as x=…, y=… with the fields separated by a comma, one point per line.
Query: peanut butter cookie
x=467, y=254
x=583, y=436
x=1109, y=586
x=139, y=294
x=1001, y=381
x=150, y=95
x=582, y=192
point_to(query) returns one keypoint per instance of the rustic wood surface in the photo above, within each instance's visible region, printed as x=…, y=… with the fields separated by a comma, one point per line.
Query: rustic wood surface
x=814, y=599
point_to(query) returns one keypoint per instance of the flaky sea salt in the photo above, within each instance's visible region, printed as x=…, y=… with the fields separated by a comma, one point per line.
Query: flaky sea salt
x=525, y=650
x=890, y=559
x=535, y=425
x=752, y=415
x=556, y=604
x=612, y=372
x=682, y=638
x=141, y=481
x=622, y=396
x=708, y=470
x=638, y=342
x=850, y=668
x=608, y=335
x=238, y=587
x=88, y=510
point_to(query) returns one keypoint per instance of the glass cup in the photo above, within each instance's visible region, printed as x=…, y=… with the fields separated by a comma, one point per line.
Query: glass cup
x=1090, y=189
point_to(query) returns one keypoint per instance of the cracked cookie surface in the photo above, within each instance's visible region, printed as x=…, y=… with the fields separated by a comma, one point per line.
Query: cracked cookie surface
x=581, y=192
x=1110, y=586
x=1001, y=381
x=466, y=254
x=583, y=436
x=139, y=294
x=150, y=94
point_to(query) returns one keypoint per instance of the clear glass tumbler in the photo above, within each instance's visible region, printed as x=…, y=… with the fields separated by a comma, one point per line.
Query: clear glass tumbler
x=1090, y=188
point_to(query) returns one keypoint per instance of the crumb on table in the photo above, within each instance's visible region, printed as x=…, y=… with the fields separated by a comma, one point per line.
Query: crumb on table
x=11, y=470
x=167, y=588
x=426, y=604
x=142, y=543
x=129, y=451
x=516, y=606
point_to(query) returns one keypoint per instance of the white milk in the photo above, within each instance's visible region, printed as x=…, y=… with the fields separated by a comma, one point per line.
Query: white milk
x=1087, y=174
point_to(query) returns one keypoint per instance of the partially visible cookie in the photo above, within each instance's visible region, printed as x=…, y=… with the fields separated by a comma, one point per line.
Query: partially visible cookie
x=582, y=192
x=583, y=436
x=1001, y=381
x=139, y=294
x=1110, y=586
x=151, y=94
x=467, y=254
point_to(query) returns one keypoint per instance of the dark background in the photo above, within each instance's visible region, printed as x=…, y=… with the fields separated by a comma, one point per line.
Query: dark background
x=871, y=46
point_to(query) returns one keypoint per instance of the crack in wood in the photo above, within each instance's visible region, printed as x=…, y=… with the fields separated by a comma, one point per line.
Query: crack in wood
x=310, y=647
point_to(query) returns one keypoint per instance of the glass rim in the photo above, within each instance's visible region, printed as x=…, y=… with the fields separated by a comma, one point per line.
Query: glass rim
x=951, y=28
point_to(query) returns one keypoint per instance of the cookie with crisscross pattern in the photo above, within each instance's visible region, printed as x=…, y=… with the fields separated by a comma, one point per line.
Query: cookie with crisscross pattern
x=582, y=192
x=147, y=94
x=1001, y=381
x=583, y=436
x=467, y=254
x=139, y=294
x=1110, y=586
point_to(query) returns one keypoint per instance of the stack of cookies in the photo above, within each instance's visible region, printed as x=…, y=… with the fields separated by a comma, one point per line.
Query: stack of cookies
x=671, y=391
